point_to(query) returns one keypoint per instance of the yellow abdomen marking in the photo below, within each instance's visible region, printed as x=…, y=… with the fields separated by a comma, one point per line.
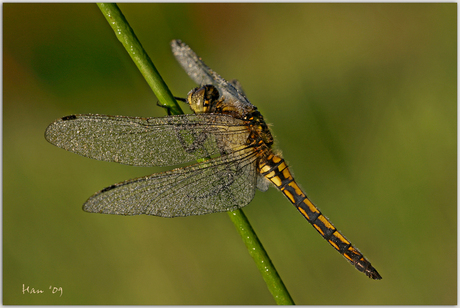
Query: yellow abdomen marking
x=296, y=187
x=276, y=180
x=334, y=245
x=289, y=195
x=326, y=222
x=303, y=212
x=311, y=206
x=338, y=235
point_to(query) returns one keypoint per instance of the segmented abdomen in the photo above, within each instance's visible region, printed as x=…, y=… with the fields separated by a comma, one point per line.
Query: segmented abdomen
x=274, y=168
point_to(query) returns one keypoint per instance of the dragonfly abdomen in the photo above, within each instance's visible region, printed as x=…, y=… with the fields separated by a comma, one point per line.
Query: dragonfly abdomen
x=274, y=168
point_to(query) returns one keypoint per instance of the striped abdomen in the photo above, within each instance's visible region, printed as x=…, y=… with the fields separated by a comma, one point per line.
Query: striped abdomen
x=274, y=168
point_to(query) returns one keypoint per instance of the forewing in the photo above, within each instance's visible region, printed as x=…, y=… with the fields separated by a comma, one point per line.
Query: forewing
x=224, y=183
x=202, y=74
x=148, y=141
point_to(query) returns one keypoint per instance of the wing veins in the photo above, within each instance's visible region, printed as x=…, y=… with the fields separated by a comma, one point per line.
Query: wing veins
x=146, y=141
x=164, y=187
x=194, y=172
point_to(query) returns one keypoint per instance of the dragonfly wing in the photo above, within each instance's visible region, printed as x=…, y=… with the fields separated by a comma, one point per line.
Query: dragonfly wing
x=202, y=74
x=148, y=141
x=224, y=183
x=237, y=85
x=262, y=183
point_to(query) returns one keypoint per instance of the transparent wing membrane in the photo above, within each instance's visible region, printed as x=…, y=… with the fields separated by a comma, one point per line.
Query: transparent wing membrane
x=220, y=184
x=202, y=74
x=135, y=141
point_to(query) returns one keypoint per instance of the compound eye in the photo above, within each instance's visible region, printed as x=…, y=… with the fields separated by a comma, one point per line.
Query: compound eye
x=197, y=100
x=212, y=94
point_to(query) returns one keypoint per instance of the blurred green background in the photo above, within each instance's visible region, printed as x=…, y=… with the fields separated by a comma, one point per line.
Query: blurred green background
x=362, y=101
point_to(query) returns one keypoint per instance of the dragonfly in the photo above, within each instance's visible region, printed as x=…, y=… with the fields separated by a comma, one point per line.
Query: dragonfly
x=225, y=142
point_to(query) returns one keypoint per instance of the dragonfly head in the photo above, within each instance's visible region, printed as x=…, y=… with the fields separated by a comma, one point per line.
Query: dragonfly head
x=201, y=100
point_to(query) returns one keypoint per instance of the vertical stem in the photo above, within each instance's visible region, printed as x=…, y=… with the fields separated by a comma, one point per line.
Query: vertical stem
x=132, y=45
x=126, y=36
x=264, y=264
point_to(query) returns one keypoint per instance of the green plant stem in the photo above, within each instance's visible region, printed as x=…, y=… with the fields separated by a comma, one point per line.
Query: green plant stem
x=264, y=264
x=126, y=36
x=132, y=45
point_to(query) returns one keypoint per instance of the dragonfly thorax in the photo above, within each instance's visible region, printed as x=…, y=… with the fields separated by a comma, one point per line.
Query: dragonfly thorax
x=207, y=99
x=259, y=128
